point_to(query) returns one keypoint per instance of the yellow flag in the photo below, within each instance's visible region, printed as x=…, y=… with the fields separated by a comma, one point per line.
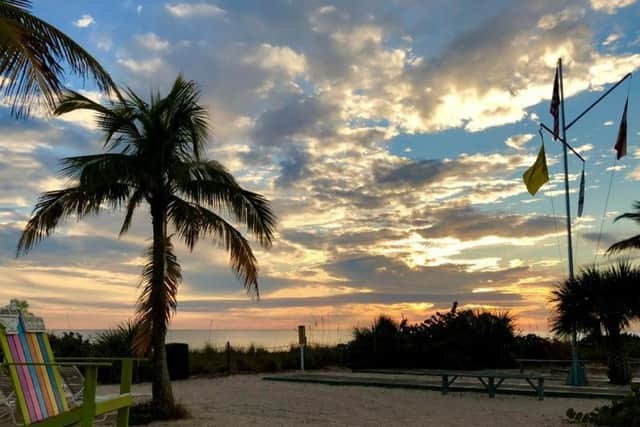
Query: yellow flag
x=538, y=174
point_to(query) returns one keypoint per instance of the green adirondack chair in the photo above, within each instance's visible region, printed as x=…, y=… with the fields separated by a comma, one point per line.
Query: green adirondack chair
x=36, y=378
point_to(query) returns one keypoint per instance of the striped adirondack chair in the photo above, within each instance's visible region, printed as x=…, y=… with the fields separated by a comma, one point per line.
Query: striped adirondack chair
x=37, y=382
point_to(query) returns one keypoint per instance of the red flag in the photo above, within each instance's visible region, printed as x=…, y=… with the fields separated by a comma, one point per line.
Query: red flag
x=555, y=107
x=621, y=143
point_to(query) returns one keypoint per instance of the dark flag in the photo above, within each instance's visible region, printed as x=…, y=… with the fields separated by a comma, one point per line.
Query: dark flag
x=555, y=107
x=581, y=194
x=621, y=143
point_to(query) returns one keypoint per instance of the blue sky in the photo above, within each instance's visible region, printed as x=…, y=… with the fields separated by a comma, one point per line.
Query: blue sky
x=391, y=137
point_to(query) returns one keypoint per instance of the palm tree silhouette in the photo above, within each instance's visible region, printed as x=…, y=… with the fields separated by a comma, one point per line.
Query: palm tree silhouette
x=33, y=52
x=600, y=302
x=631, y=242
x=155, y=155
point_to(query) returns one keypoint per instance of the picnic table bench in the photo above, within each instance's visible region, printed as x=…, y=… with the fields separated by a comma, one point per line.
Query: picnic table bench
x=523, y=362
x=490, y=379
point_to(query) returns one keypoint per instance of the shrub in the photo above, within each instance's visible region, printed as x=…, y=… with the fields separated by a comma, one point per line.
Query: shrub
x=454, y=340
x=621, y=413
x=532, y=346
x=70, y=344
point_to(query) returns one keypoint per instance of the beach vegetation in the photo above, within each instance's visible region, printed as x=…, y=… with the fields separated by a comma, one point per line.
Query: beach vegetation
x=623, y=412
x=456, y=339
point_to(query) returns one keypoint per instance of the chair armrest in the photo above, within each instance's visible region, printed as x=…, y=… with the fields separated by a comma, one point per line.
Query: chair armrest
x=126, y=373
x=86, y=364
x=100, y=358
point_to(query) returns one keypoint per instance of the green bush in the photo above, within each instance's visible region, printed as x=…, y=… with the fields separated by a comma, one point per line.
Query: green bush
x=70, y=344
x=454, y=340
x=621, y=413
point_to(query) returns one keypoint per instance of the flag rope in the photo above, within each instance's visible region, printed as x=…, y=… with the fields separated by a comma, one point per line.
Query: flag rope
x=604, y=212
x=553, y=208
x=555, y=226
x=613, y=170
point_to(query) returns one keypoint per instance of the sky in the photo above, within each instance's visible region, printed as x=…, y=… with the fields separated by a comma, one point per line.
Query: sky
x=390, y=136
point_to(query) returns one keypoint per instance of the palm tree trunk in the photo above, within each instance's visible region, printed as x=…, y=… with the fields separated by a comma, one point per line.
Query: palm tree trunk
x=162, y=395
x=619, y=367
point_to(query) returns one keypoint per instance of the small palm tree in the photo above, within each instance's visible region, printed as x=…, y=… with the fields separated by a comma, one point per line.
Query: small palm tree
x=600, y=302
x=155, y=155
x=631, y=242
x=31, y=58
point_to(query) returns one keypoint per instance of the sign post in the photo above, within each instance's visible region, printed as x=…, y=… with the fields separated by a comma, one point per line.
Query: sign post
x=302, y=340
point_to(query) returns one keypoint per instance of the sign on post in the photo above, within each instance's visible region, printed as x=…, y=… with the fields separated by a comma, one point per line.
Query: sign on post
x=302, y=340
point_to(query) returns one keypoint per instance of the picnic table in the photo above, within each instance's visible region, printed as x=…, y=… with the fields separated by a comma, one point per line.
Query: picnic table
x=490, y=379
x=523, y=362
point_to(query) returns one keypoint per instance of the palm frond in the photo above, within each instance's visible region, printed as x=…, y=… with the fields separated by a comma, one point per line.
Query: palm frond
x=135, y=200
x=210, y=183
x=100, y=168
x=24, y=4
x=626, y=244
x=187, y=119
x=635, y=216
x=32, y=54
x=53, y=206
x=119, y=118
x=194, y=222
x=156, y=304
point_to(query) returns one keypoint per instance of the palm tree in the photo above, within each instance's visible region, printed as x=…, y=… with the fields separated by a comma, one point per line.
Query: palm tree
x=155, y=154
x=631, y=242
x=598, y=302
x=31, y=56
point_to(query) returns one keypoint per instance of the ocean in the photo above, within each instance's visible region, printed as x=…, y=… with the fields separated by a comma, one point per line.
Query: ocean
x=271, y=339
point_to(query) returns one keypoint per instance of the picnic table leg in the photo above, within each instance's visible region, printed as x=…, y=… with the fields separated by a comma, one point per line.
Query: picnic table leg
x=492, y=388
x=445, y=384
x=540, y=388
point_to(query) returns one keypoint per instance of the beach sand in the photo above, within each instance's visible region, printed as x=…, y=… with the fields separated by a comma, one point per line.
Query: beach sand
x=247, y=400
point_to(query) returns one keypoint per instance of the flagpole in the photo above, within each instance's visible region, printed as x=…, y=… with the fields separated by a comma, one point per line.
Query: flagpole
x=576, y=373
x=574, y=377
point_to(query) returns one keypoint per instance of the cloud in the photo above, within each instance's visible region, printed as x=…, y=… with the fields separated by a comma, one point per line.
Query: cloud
x=552, y=20
x=144, y=66
x=151, y=41
x=293, y=168
x=84, y=21
x=277, y=58
x=306, y=102
x=518, y=141
x=190, y=10
x=611, y=38
x=104, y=43
x=303, y=115
x=610, y=6
x=468, y=223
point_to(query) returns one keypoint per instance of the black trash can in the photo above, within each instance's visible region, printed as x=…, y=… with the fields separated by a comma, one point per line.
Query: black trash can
x=178, y=360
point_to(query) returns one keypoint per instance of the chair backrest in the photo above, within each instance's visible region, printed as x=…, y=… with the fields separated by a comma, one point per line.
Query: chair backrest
x=73, y=379
x=38, y=388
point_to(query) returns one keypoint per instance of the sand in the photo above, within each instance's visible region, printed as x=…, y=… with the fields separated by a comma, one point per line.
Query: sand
x=247, y=400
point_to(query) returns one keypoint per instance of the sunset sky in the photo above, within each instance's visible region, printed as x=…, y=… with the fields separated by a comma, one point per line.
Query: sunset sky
x=391, y=137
